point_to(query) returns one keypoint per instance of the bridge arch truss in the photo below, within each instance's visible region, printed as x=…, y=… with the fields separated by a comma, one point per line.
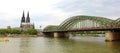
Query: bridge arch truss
x=83, y=22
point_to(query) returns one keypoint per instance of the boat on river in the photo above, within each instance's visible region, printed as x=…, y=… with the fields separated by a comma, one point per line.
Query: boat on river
x=4, y=40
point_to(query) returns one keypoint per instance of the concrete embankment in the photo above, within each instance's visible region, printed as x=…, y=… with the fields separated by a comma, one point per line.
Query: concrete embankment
x=17, y=35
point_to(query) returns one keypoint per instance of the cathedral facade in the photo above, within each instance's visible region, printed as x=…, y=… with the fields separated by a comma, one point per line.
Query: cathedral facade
x=25, y=22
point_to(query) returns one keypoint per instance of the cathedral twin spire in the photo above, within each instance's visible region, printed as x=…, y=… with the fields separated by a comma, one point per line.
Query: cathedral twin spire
x=27, y=20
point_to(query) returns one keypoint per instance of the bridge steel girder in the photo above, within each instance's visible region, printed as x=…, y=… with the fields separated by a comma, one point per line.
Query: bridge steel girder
x=116, y=22
x=73, y=20
x=50, y=28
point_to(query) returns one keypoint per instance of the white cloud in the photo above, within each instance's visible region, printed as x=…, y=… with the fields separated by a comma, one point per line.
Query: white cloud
x=53, y=12
x=11, y=10
x=104, y=8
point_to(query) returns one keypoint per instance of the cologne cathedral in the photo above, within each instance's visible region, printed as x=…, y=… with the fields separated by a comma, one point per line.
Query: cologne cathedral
x=25, y=22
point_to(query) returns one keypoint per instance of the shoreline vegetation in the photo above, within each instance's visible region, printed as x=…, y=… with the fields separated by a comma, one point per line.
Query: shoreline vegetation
x=18, y=33
x=12, y=32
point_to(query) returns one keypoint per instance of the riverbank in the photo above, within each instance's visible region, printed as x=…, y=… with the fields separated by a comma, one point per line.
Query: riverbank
x=18, y=35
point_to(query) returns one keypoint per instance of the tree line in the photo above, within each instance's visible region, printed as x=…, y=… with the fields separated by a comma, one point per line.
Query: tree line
x=18, y=31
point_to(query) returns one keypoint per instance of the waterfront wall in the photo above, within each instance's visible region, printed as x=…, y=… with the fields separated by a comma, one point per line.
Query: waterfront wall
x=21, y=35
x=3, y=35
x=17, y=35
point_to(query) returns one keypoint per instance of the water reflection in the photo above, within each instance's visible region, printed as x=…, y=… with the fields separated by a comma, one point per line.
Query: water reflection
x=114, y=47
x=25, y=45
x=9, y=47
x=59, y=45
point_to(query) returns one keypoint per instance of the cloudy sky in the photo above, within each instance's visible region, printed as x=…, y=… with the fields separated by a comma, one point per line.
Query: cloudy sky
x=53, y=12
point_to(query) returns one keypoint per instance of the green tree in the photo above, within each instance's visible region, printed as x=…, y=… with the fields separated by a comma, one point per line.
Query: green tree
x=3, y=31
x=29, y=31
x=13, y=31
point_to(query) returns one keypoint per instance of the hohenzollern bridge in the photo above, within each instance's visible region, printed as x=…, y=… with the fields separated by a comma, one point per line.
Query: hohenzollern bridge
x=86, y=23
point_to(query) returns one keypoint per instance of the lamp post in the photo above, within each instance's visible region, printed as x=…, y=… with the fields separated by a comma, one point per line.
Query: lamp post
x=40, y=27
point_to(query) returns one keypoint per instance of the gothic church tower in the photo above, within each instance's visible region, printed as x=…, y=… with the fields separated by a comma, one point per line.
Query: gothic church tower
x=25, y=22
x=23, y=18
x=28, y=18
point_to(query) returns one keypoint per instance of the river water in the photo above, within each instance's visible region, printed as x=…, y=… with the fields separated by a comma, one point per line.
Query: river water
x=58, y=45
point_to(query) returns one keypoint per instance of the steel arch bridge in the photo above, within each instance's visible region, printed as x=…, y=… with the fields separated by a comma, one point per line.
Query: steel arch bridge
x=111, y=28
x=81, y=21
x=50, y=28
x=84, y=22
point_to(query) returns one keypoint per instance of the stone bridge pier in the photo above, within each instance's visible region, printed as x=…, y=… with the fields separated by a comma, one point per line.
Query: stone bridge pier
x=61, y=35
x=112, y=35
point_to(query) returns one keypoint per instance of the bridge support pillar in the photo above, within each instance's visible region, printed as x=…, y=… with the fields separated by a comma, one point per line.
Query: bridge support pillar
x=112, y=36
x=61, y=35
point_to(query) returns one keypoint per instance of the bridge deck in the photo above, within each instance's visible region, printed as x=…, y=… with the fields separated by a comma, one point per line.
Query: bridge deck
x=100, y=28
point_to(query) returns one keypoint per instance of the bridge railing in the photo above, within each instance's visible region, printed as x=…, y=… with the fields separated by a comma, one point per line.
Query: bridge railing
x=86, y=28
x=98, y=27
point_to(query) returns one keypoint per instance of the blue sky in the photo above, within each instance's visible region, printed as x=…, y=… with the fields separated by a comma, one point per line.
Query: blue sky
x=53, y=12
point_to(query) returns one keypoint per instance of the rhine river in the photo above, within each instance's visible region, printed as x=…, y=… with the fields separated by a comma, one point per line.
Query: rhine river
x=58, y=45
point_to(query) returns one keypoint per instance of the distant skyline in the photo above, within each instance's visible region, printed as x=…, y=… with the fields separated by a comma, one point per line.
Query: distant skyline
x=53, y=12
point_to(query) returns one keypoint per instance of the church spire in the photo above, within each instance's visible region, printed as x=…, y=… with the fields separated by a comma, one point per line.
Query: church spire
x=28, y=18
x=25, y=22
x=23, y=18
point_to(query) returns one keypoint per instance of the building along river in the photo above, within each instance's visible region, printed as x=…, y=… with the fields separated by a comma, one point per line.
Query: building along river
x=58, y=45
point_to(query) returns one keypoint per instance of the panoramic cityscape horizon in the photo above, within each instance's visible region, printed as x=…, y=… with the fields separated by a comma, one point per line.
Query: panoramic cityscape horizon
x=53, y=12
x=59, y=26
